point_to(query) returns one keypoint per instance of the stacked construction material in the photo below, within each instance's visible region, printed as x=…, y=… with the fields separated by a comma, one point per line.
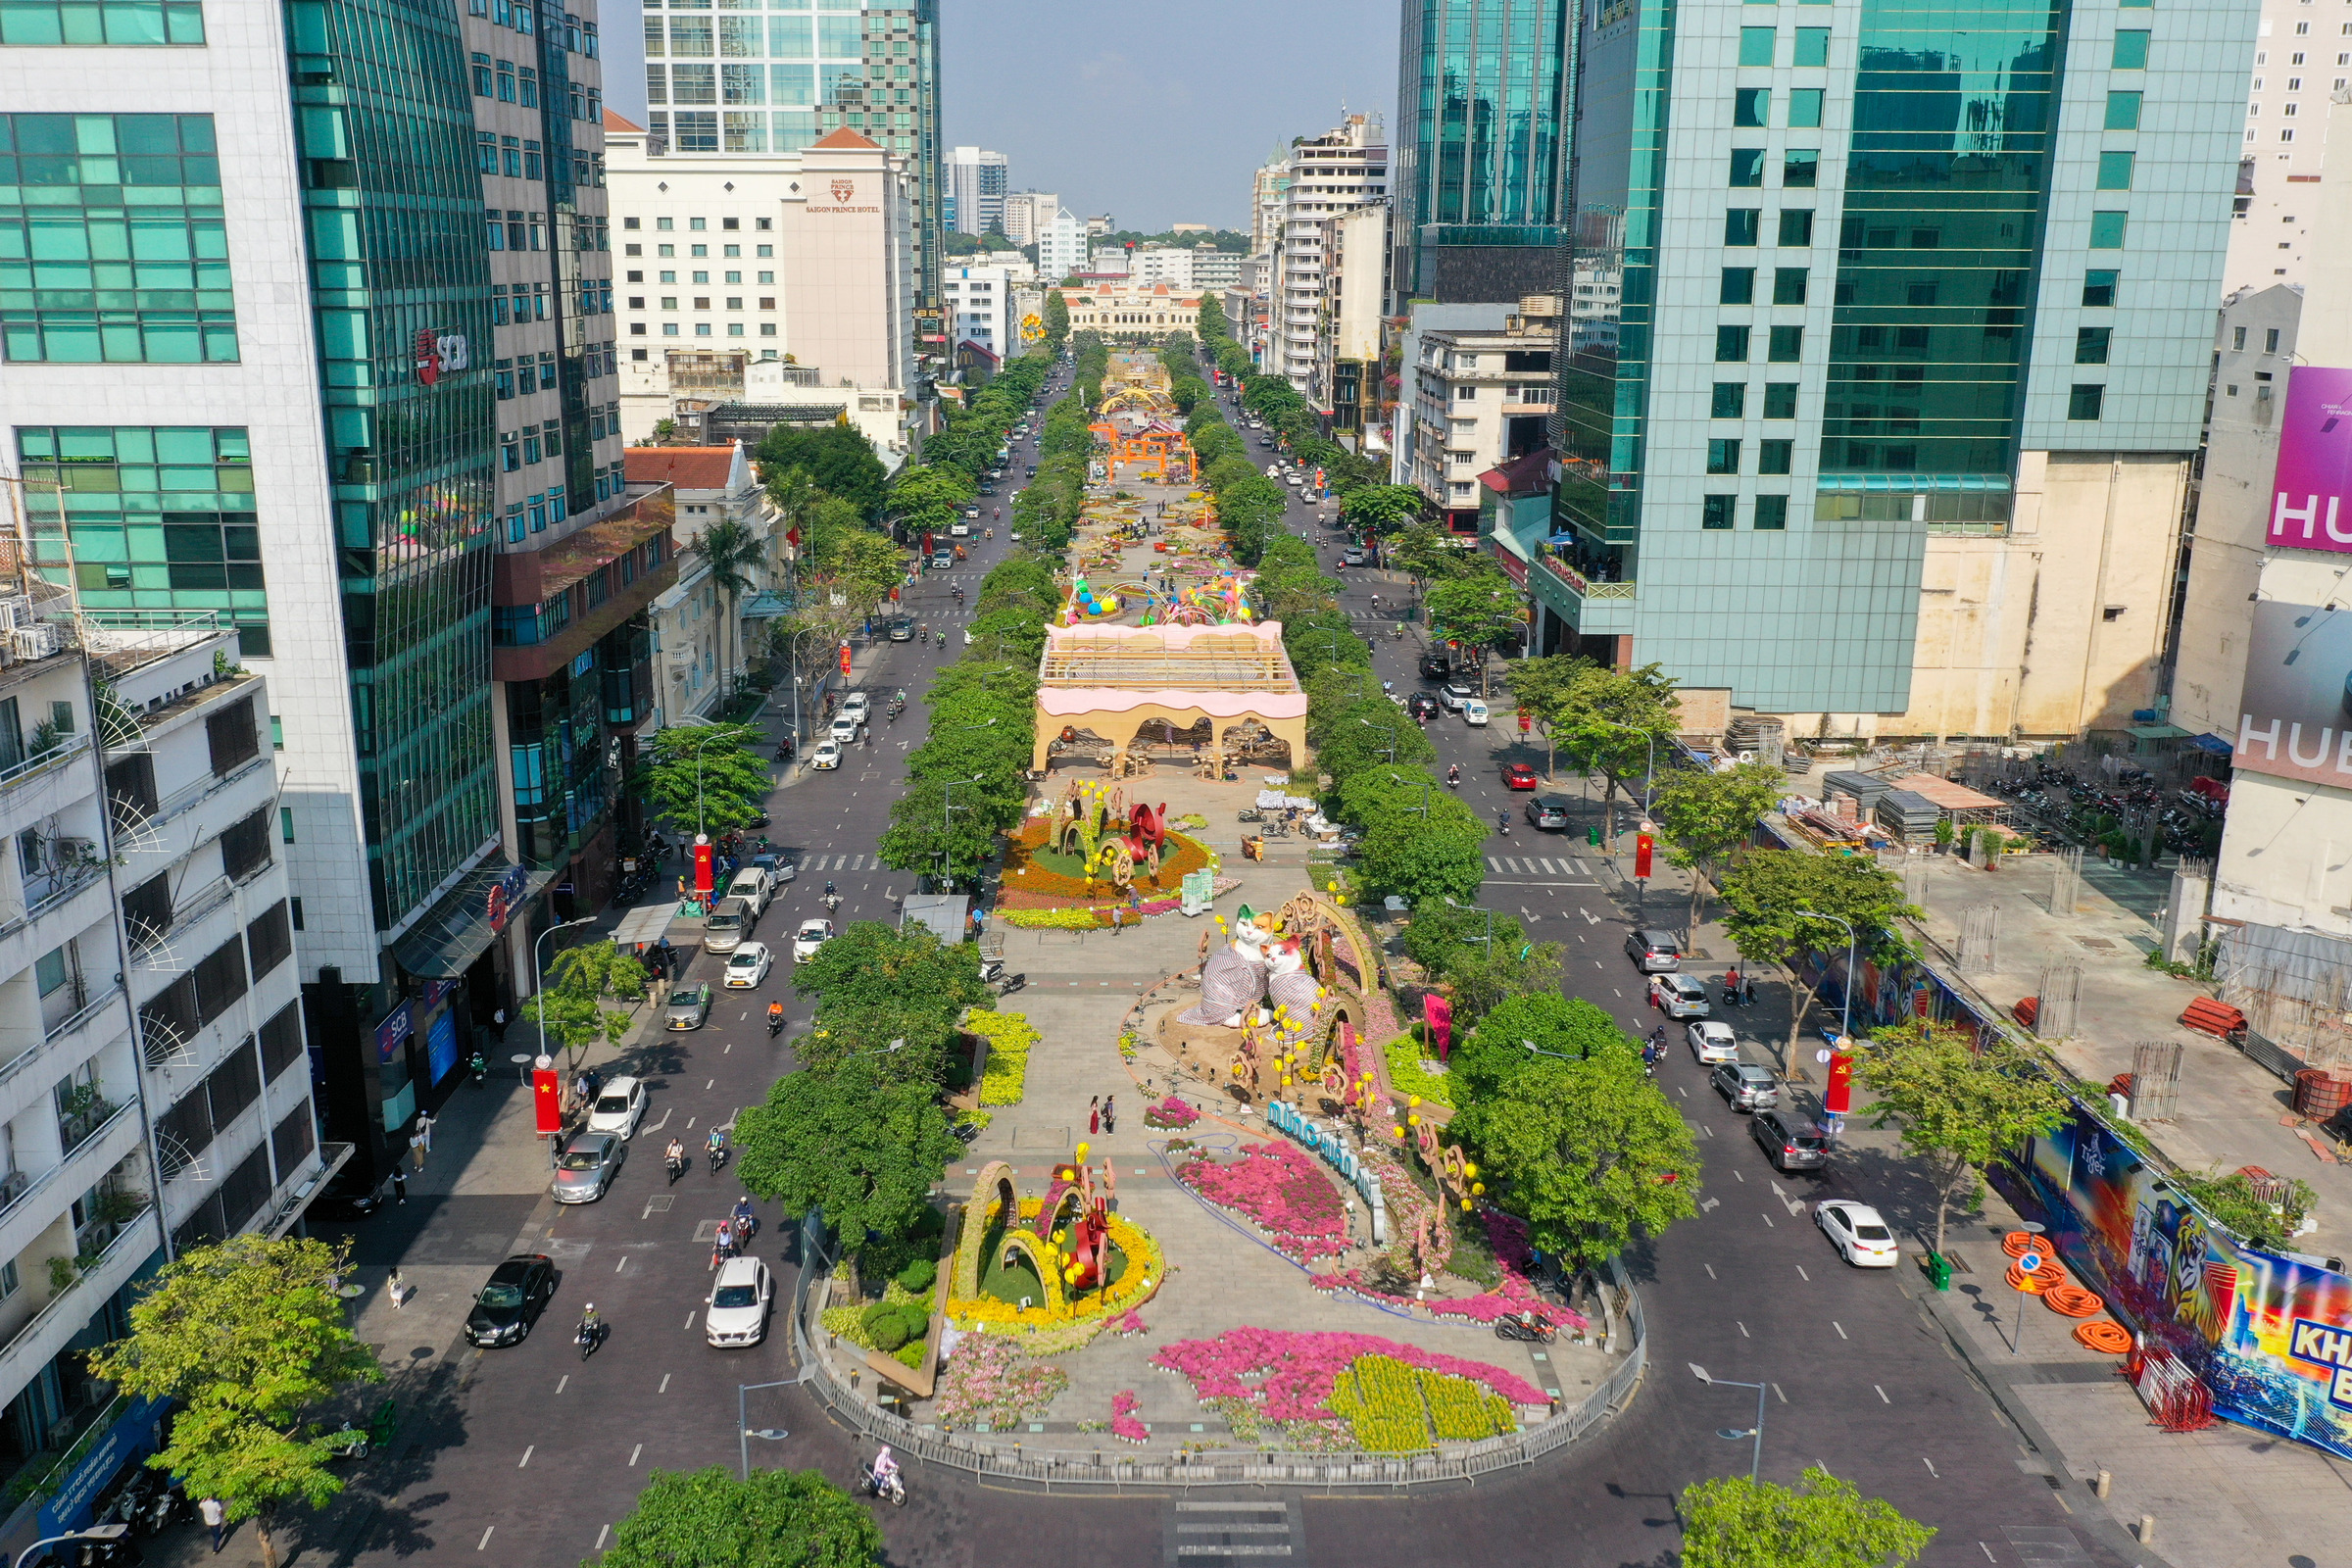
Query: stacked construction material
x=1908, y=815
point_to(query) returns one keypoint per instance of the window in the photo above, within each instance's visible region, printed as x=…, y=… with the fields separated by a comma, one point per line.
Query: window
x=1741, y=224
x=50, y=970
x=1805, y=109
x=1772, y=512
x=1801, y=168
x=2098, y=288
x=481, y=76
x=2090, y=344
x=2107, y=231
x=1748, y=166
x=1723, y=456
x=1797, y=225
x=1750, y=106
x=2123, y=111
x=2115, y=170
x=1780, y=400
x=1755, y=45
x=2238, y=339
x=233, y=737
x=1812, y=46
x=1788, y=285
x=2131, y=50
x=1716, y=512
x=117, y=23
x=1738, y=286
x=1731, y=345
x=245, y=846
x=1787, y=345
x=2269, y=345
x=1730, y=401
x=2084, y=401
x=1773, y=457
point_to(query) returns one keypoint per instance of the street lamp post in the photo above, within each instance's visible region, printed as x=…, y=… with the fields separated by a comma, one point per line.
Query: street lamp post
x=1421, y=811
x=947, y=796
x=743, y=1431
x=1472, y=908
x=1734, y=1434
x=538, y=979
x=1649, y=774
x=1845, y=1003
x=1387, y=730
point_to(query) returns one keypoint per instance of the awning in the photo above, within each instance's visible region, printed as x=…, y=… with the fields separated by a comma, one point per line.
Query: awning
x=2157, y=732
x=766, y=605
x=645, y=925
x=453, y=933
x=2214, y=744
x=944, y=913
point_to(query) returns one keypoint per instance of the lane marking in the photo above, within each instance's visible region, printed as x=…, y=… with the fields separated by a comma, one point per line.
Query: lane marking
x=560, y=1382
x=1840, y=1328
x=1883, y=1399
x=1777, y=1394
x=527, y=1452
x=600, y=1538
x=1702, y=1209
x=1679, y=1090
x=708, y=1082
x=665, y=1388
x=690, y=1319
x=1931, y=1464
x=1741, y=1180
x=485, y=1540
x=1768, y=1224
x=623, y=1263
x=1710, y=1268
x=1743, y=1334
x=1802, y=1275
x=634, y=1452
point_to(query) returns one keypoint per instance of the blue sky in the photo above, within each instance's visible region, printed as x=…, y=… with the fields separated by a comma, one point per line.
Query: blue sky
x=1155, y=113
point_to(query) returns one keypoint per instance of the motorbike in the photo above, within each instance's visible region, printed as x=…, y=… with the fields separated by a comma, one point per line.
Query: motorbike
x=676, y=1169
x=1529, y=1328
x=718, y=1159
x=1010, y=984
x=1249, y=813
x=347, y=1442
x=589, y=1336
x=965, y=1132
x=832, y=902
x=894, y=1488
x=480, y=1067
x=775, y=1026
x=1502, y=824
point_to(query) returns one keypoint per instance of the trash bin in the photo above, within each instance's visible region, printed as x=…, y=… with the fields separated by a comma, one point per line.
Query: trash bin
x=1940, y=1271
x=1592, y=837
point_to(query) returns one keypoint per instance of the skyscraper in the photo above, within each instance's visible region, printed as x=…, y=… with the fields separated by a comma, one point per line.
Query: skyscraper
x=1480, y=164
x=976, y=185
x=1867, y=301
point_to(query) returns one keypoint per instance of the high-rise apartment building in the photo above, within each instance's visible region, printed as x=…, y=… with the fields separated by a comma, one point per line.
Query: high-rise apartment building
x=1345, y=168
x=1889, y=306
x=370, y=421
x=1027, y=213
x=1480, y=151
x=977, y=180
x=774, y=83
x=1060, y=248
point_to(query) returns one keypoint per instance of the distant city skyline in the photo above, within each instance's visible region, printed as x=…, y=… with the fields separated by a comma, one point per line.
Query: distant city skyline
x=1154, y=126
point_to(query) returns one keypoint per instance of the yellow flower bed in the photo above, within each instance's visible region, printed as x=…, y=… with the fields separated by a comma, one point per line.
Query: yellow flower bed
x=1004, y=1079
x=1146, y=1268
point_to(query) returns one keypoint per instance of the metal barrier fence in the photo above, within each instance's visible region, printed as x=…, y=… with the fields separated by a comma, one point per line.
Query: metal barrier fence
x=1010, y=1462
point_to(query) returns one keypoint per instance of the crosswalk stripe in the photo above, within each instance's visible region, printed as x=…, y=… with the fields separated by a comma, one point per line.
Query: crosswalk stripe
x=858, y=865
x=1494, y=865
x=1549, y=869
x=1578, y=866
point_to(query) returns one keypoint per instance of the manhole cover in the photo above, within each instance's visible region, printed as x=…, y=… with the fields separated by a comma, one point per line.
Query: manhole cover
x=658, y=1203
x=2096, y=943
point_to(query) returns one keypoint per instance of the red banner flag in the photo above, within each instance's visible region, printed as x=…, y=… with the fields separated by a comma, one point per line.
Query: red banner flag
x=1839, y=1098
x=702, y=868
x=1644, y=843
x=1439, y=1013
x=547, y=1099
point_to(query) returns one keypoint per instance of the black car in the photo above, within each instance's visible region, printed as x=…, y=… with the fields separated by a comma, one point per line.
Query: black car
x=1435, y=667
x=901, y=630
x=352, y=1194
x=1421, y=706
x=512, y=1301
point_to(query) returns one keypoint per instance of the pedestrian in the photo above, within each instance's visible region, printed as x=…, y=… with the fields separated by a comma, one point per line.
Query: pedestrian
x=498, y=1026
x=216, y=1519
x=1094, y=1115
x=1748, y=989
x=398, y=1289
x=425, y=1130
x=1111, y=1115
x=400, y=1185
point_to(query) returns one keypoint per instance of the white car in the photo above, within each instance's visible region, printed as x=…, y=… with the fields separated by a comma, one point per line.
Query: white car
x=747, y=967
x=1858, y=1232
x=1475, y=712
x=1677, y=996
x=813, y=935
x=826, y=754
x=959, y=529
x=619, y=1108
x=846, y=727
x=857, y=706
x=1712, y=1041
x=737, y=1310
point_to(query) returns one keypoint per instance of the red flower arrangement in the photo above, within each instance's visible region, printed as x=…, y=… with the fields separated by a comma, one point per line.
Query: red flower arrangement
x=1289, y=1377
x=1283, y=1191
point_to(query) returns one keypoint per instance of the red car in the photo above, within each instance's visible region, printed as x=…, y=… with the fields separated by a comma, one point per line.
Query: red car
x=1518, y=776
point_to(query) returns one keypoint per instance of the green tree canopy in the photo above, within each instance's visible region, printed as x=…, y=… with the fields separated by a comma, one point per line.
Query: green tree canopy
x=857, y=1141
x=777, y=1519
x=1958, y=1109
x=840, y=460
x=705, y=774
x=1618, y=720
x=250, y=1339
x=1420, y=842
x=1383, y=507
x=928, y=497
x=1590, y=1153
x=732, y=552
x=1481, y=973
x=1706, y=816
x=1821, y=1522
x=1494, y=1051
x=1057, y=319
x=1775, y=901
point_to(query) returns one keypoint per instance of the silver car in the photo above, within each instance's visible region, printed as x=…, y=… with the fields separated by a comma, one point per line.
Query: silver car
x=1745, y=1085
x=584, y=1171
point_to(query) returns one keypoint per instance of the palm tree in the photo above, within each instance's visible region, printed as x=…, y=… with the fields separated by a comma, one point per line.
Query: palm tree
x=728, y=547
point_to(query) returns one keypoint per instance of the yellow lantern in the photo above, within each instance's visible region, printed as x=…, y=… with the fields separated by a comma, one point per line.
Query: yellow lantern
x=1465, y=1206
x=1413, y=1120
x=1470, y=1169
x=1415, y=1101
x=1082, y=1148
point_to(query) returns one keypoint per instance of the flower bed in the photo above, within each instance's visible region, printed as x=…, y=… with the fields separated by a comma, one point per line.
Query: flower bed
x=1280, y=1376
x=1003, y=1078
x=991, y=1382
x=1035, y=878
x=1403, y=1056
x=1069, y=1324
x=1128, y=1324
x=1171, y=1113
x=1123, y=1424
x=1283, y=1191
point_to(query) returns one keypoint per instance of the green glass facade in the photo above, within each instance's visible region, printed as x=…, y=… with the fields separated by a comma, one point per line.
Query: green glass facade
x=116, y=24
x=1482, y=123
x=112, y=246
x=161, y=519
x=400, y=289
x=1938, y=243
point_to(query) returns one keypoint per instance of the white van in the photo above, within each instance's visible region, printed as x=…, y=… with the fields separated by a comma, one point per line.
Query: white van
x=753, y=887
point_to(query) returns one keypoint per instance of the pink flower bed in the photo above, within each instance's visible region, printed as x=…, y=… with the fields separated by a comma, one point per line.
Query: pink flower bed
x=1170, y=1112
x=1283, y=1191
x=1507, y=1235
x=1288, y=1376
x=1127, y=1324
x=1123, y=1424
x=988, y=1379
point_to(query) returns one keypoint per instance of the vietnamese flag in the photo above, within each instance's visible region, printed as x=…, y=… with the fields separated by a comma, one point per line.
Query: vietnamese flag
x=547, y=1101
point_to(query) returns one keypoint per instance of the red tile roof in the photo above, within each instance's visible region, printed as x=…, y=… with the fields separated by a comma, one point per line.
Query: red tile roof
x=1525, y=475
x=846, y=137
x=614, y=121
x=686, y=468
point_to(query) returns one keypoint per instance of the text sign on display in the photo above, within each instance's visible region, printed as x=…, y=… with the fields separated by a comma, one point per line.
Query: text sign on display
x=2311, y=501
x=2296, y=711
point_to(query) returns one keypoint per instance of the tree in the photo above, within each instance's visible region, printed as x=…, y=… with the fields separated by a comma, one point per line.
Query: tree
x=1383, y=507
x=1774, y=903
x=704, y=778
x=729, y=548
x=777, y=1519
x=1613, y=720
x=249, y=1338
x=1476, y=609
x=1057, y=319
x=1822, y=1522
x=1590, y=1153
x=1959, y=1109
x=1544, y=691
x=838, y=457
x=1705, y=817
x=859, y=1145
x=926, y=498
x=598, y=969
x=1482, y=964
x=1494, y=1051
x=1421, y=843
x=869, y=961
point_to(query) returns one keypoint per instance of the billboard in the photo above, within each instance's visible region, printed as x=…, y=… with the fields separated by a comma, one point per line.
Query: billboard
x=2311, y=502
x=2296, y=714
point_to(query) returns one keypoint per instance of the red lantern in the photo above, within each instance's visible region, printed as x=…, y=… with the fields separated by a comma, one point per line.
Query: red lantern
x=547, y=1101
x=845, y=659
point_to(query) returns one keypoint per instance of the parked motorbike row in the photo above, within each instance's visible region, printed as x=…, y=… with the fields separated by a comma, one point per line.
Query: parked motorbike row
x=2130, y=803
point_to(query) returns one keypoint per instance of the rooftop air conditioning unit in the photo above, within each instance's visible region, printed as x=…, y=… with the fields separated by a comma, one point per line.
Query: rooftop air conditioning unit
x=37, y=640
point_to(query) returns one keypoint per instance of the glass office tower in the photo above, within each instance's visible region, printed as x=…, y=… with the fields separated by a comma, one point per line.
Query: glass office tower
x=1480, y=166
x=1847, y=278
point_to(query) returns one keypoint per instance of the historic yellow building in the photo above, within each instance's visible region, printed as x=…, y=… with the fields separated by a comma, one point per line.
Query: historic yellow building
x=1117, y=306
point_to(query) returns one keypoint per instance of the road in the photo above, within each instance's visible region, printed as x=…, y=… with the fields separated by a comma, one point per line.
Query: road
x=1860, y=1380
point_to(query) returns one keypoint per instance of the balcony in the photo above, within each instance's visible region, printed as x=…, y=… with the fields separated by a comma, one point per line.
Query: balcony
x=104, y=1147
x=47, y=1333
x=50, y=764
x=68, y=1042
